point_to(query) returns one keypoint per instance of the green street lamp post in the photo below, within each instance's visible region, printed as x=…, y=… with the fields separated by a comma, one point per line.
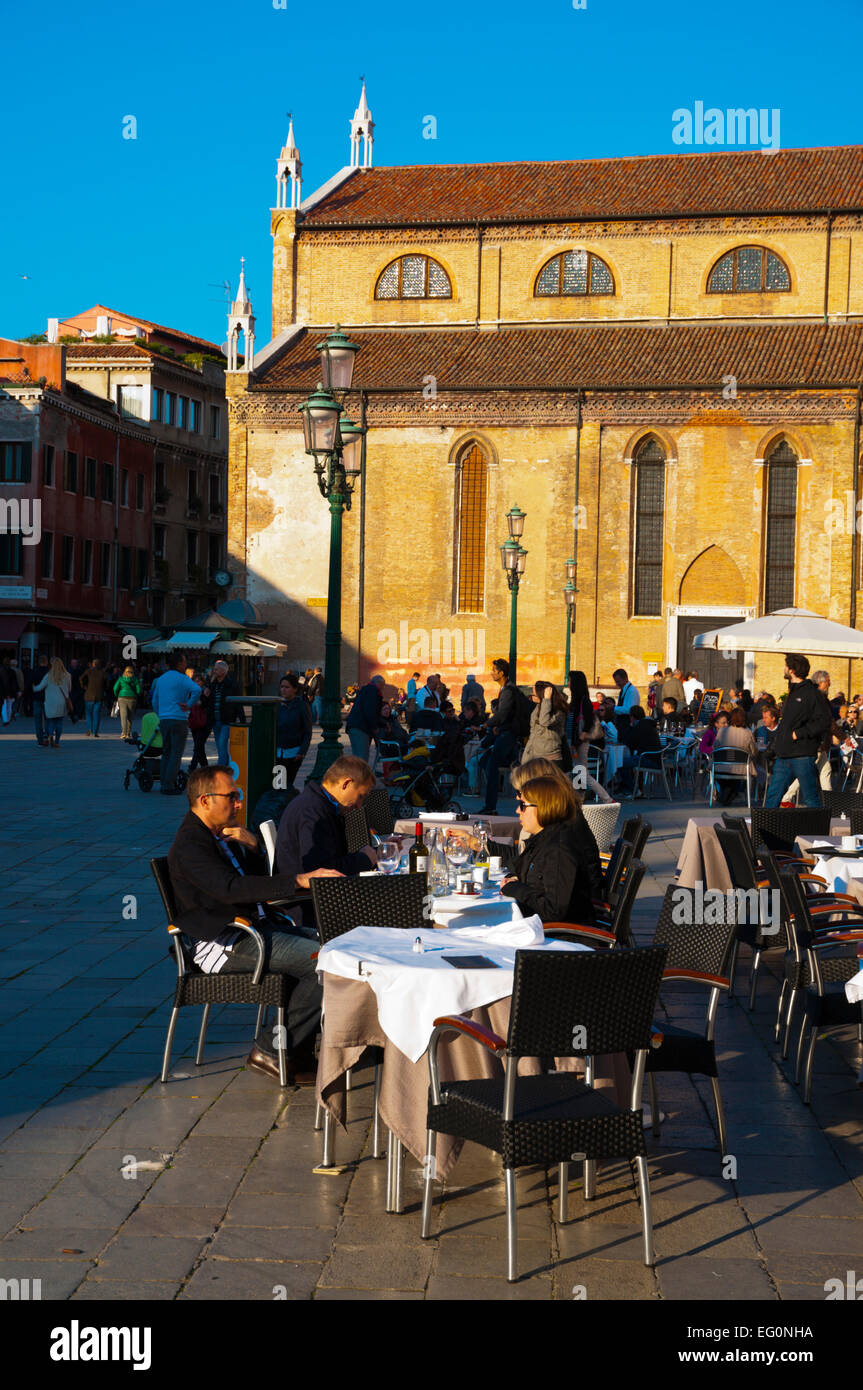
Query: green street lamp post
x=569, y=593
x=513, y=558
x=336, y=444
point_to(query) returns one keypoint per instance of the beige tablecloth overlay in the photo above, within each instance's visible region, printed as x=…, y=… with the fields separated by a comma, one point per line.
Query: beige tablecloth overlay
x=351, y=1025
x=701, y=858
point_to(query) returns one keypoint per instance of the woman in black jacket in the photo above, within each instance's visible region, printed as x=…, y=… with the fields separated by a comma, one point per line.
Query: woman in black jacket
x=557, y=873
x=293, y=727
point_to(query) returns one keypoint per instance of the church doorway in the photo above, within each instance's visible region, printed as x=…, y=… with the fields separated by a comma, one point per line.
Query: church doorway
x=715, y=670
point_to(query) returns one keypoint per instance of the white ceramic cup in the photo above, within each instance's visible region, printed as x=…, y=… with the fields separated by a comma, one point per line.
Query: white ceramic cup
x=849, y=842
x=480, y=875
x=495, y=863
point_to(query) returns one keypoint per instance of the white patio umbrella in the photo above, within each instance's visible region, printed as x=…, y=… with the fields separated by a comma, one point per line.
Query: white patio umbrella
x=787, y=630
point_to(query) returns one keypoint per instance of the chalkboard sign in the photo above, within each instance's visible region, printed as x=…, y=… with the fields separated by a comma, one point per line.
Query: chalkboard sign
x=710, y=702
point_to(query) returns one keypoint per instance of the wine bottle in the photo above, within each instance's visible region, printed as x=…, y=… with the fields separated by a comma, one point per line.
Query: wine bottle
x=418, y=858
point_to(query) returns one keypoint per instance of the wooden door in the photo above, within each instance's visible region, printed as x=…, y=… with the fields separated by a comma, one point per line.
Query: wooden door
x=715, y=670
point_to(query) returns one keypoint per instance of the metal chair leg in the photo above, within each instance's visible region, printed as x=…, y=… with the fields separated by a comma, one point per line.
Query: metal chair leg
x=732, y=967
x=398, y=1174
x=202, y=1036
x=654, y=1103
x=589, y=1179
x=391, y=1144
x=646, y=1222
x=756, y=965
x=777, y=1032
x=261, y=1020
x=428, y=1184
x=328, y=1146
x=720, y=1116
x=169, y=1043
x=282, y=1052
x=789, y=1019
x=798, y=1060
x=319, y=1117
x=511, y=1226
x=376, y=1127
x=807, y=1076
x=562, y=1191
x=349, y=1079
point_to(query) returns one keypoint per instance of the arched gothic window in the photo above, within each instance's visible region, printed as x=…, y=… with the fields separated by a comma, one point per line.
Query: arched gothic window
x=649, y=526
x=471, y=498
x=574, y=272
x=413, y=277
x=749, y=270
x=781, y=528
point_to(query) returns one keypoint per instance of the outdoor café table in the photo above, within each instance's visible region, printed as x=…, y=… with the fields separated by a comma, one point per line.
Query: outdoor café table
x=843, y=872
x=501, y=827
x=701, y=858
x=394, y=1003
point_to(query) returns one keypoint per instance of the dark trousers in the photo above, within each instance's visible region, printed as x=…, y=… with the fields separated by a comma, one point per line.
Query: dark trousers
x=174, y=732
x=199, y=753
x=288, y=953
x=39, y=727
x=502, y=754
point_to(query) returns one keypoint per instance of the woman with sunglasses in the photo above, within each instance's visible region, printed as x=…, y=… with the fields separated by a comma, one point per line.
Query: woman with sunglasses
x=556, y=874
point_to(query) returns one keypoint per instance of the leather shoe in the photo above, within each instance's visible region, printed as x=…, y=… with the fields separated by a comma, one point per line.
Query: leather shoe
x=301, y=1070
x=267, y=1062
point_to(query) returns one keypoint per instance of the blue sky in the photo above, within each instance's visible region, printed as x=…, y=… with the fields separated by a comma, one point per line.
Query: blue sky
x=153, y=226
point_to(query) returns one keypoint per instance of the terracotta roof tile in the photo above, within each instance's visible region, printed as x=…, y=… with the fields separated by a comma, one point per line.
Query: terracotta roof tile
x=714, y=184
x=596, y=357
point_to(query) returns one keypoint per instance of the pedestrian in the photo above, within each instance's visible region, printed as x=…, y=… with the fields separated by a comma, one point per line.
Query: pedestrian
x=364, y=718
x=293, y=727
x=222, y=712
x=56, y=685
x=93, y=684
x=200, y=724
x=8, y=690
x=76, y=693
x=547, y=725
x=587, y=729
x=804, y=725
x=38, y=696
x=672, y=688
x=472, y=690
x=316, y=695
x=127, y=689
x=503, y=728
x=627, y=699
x=173, y=695
x=18, y=694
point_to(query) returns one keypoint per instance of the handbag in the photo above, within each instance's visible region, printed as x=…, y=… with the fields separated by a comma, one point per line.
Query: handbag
x=115, y=710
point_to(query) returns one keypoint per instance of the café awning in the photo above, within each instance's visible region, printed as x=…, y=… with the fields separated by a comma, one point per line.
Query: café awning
x=83, y=629
x=11, y=628
x=180, y=641
x=787, y=630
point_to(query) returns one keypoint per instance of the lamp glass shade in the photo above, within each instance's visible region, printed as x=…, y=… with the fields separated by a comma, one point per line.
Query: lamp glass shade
x=521, y=560
x=320, y=422
x=569, y=594
x=352, y=447
x=337, y=360
x=570, y=570
x=515, y=518
x=509, y=554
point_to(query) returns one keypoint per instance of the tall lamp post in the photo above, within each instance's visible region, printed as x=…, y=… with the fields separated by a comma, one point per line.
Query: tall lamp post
x=513, y=559
x=336, y=444
x=569, y=593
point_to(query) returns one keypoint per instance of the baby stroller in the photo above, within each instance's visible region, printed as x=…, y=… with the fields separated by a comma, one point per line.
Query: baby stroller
x=145, y=768
x=419, y=783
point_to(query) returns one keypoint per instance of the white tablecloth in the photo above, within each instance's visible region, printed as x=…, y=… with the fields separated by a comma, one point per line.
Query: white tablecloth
x=413, y=990
x=493, y=909
x=837, y=869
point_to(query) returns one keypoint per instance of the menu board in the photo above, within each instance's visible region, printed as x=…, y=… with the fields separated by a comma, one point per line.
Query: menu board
x=710, y=702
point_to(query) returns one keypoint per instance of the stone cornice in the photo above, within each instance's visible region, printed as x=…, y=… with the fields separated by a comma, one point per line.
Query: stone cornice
x=80, y=412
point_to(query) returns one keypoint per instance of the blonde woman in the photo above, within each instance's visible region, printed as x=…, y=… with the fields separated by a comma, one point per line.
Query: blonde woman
x=127, y=689
x=56, y=685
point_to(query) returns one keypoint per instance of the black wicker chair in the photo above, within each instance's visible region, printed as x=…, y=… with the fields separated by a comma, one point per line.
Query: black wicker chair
x=340, y=905
x=778, y=828
x=698, y=953
x=564, y=1004
x=614, y=877
x=747, y=877
x=375, y=814
x=842, y=803
x=611, y=929
x=194, y=987
x=826, y=1005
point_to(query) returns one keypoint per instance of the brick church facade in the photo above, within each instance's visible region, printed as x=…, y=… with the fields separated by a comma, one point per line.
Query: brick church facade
x=658, y=359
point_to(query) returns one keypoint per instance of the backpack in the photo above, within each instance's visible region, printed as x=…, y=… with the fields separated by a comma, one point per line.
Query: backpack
x=522, y=716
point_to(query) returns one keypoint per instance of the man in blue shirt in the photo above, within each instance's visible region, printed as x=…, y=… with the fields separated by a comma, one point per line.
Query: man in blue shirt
x=171, y=696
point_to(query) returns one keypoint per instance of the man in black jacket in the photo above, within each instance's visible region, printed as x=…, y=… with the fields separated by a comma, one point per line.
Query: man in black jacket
x=503, y=726
x=643, y=746
x=218, y=874
x=222, y=714
x=805, y=721
x=312, y=829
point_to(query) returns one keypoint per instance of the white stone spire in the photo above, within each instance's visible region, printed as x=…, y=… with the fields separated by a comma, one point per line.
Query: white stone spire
x=289, y=169
x=362, y=128
x=241, y=320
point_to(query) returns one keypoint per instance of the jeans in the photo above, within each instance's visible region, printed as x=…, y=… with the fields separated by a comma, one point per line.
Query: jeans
x=360, y=743
x=785, y=770
x=174, y=732
x=39, y=726
x=94, y=715
x=317, y=709
x=55, y=729
x=222, y=735
x=502, y=754
x=287, y=953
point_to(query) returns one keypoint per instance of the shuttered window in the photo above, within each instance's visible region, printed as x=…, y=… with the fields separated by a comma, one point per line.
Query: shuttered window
x=780, y=540
x=649, y=515
x=472, y=487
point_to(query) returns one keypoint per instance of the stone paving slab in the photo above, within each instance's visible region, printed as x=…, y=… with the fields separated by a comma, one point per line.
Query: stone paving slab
x=224, y=1203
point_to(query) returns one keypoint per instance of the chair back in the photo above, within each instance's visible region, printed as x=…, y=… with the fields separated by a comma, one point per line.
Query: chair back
x=378, y=813
x=730, y=762
x=162, y=875
x=268, y=835
x=626, y=896
x=637, y=832
x=842, y=803
x=701, y=946
x=356, y=829
x=621, y=857
x=340, y=904
x=741, y=864
x=770, y=868
x=779, y=828
x=583, y=1003
x=594, y=761
x=738, y=825
x=601, y=816
x=856, y=823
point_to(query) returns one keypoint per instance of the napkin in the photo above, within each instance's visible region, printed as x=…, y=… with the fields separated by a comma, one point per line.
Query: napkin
x=527, y=932
x=437, y=815
x=854, y=988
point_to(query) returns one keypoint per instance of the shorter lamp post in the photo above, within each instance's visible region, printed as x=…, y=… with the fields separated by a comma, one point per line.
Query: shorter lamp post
x=513, y=558
x=335, y=443
x=569, y=593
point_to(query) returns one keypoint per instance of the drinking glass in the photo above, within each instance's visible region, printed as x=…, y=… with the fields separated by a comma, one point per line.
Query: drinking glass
x=458, y=852
x=389, y=855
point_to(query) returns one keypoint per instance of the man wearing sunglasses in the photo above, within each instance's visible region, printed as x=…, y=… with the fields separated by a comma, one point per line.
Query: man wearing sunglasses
x=218, y=873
